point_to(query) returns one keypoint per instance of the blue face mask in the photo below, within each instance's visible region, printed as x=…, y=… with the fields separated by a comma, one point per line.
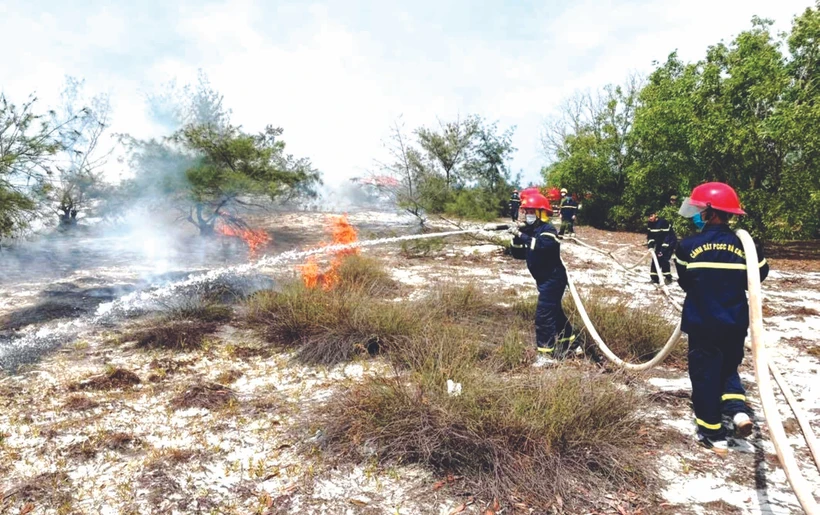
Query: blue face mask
x=699, y=222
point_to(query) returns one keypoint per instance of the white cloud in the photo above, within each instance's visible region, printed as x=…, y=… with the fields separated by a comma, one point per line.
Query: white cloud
x=335, y=83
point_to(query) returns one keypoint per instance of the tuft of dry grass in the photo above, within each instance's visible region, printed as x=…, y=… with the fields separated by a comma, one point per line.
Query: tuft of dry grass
x=172, y=334
x=229, y=376
x=632, y=334
x=333, y=326
x=204, y=395
x=106, y=440
x=48, y=490
x=365, y=274
x=78, y=402
x=566, y=434
x=112, y=378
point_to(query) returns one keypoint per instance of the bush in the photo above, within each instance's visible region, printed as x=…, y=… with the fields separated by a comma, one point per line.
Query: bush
x=566, y=434
x=632, y=334
x=366, y=275
x=421, y=248
x=331, y=326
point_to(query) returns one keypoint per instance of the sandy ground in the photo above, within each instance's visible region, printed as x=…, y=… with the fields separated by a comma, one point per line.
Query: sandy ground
x=130, y=450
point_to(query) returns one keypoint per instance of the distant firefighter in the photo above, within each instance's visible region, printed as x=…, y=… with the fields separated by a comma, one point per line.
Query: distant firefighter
x=568, y=209
x=661, y=239
x=514, y=205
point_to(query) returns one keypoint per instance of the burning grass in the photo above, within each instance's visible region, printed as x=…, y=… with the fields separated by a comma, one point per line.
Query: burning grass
x=530, y=440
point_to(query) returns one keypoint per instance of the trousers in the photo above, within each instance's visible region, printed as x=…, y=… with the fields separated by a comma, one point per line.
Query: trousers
x=665, y=269
x=716, y=388
x=553, y=331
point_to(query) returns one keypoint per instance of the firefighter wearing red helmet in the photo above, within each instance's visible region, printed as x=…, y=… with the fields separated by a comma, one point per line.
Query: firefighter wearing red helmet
x=711, y=269
x=553, y=332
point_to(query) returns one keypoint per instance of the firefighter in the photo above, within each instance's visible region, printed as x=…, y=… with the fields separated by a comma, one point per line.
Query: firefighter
x=661, y=239
x=553, y=332
x=568, y=209
x=514, y=205
x=711, y=269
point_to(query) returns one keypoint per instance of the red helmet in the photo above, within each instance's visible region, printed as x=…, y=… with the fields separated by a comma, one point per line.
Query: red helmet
x=536, y=201
x=526, y=192
x=716, y=195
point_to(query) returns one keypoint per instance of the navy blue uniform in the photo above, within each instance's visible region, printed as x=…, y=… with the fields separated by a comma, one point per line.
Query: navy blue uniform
x=552, y=328
x=711, y=269
x=568, y=209
x=514, y=205
x=661, y=239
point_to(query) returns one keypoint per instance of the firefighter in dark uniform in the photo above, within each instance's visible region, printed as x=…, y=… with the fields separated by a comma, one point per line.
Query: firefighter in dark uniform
x=514, y=205
x=553, y=332
x=568, y=209
x=711, y=269
x=661, y=239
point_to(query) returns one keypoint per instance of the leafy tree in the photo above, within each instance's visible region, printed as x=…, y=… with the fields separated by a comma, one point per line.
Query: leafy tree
x=28, y=144
x=747, y=114
x=232, y=169
x=448, y=148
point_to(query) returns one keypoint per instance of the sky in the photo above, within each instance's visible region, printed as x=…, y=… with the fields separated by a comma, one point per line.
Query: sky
x=336, y=74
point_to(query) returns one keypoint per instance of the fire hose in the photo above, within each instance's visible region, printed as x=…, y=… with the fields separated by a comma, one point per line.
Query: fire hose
x=777, y=432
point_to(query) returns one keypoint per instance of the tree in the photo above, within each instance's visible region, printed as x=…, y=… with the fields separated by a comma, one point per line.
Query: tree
x=233, y=169
x=28, y=144
x=77, y=184
x=449, y=148
x=405, y=166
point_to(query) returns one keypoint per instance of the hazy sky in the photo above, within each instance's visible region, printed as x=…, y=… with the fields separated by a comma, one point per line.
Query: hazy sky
x=335, y=74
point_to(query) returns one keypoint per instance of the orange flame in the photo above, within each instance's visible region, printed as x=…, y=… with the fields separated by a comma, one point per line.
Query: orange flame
x=254, y=238
x=341, y=233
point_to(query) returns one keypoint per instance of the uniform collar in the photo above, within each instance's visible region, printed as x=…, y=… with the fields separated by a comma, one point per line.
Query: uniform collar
x=716, y=228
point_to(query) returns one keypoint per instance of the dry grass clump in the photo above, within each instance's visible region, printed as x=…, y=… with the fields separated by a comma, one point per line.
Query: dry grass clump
x=106, y=440
x=185, y=325
x=172, y=334
x=565, y=434
x=459, y=302
x=365, y=274
x=331, y=326
x=632, y=334
x=79, y=402
x=204, y=395
x=112, y=378
x=47, y=490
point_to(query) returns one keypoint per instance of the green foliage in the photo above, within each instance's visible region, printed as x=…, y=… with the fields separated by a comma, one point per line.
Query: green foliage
x=747, y=114
x=28, y=142
x=210, y=169
x=459, y=169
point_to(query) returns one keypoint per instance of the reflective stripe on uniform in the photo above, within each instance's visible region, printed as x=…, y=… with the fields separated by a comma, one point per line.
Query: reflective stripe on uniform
x=658, y=230
x=733, y=396
x=665, y=245
x=701, y=423
x=653, y=273
x=569, y=339
x=680, y=261
x=719, y=266
x=546, y=350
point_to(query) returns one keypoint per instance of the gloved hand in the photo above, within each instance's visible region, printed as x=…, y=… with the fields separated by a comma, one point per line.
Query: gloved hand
x=514, y=231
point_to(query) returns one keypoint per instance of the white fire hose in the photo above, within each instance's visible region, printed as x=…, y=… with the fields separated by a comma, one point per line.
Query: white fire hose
x=801, y=488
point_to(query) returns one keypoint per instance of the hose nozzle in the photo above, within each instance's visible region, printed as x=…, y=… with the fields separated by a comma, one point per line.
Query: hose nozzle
x=496, y=227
